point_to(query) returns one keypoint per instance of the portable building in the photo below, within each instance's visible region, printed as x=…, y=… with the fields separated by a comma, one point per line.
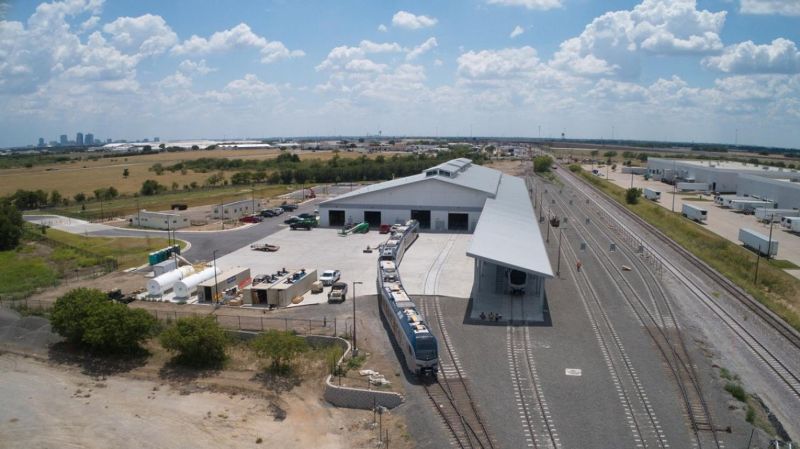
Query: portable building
x=652, y=194
x=692, y=186
x=237, y=209
x=758, y=242
x=158, y=220
x=162, y=267
x=280, y=293
x=694, y=213
x=766, y=214
x=215, y=286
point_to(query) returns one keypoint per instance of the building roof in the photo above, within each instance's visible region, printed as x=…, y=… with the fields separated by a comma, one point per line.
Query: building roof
x=728, y=166
x=508, y=233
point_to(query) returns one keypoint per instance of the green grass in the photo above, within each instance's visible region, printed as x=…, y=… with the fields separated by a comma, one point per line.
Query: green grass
x=128, y=205
x=737, y=391
x=776, y=289
x=784, y=264
x=128, y=251
x=21, y=273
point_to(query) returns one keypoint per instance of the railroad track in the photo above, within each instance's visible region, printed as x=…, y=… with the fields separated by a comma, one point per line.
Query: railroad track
x=658, y=319
x=450, y=393
x=775, y=365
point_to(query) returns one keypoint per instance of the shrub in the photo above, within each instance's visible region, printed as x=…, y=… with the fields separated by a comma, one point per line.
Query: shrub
x=632, y=195
x=198, y=340
x=575, y=168
x=736, y=391
x=280, y=347
x=11, y=224
x=542, y=164
x=71, y=310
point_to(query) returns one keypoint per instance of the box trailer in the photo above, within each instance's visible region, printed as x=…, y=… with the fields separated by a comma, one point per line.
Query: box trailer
x=719, y=200
x=216, y=286
x=726, y=200
x=695, y=213
x=634, y=170
x=788, y=222
x=758, y=242
x=767, y=214
x=795, y=225
x=748, y=206
x=652, y=194
x=297, y=283
x=692, y=186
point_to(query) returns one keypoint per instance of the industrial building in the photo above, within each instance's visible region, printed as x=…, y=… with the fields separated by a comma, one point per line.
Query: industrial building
x=784, y=193
x=721, y=176
x=459, y=196
x=237, y=209
x=158, y=220
x=219, y=286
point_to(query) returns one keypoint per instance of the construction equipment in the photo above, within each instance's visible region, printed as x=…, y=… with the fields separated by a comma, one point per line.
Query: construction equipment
x=361, y=228
x=266, y=247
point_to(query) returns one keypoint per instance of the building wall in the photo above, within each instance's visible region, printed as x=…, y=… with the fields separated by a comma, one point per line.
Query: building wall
x=159, y=220
x=785, y=194
x=396, y=204
x=237, y=209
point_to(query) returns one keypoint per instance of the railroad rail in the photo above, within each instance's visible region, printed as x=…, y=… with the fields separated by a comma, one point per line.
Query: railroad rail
x=663, y=329
x=776, y=366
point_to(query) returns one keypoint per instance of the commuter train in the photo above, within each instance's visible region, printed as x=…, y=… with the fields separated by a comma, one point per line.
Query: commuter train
x=412, y=334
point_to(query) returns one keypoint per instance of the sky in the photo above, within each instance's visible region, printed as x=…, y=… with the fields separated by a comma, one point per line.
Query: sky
x=725, y=71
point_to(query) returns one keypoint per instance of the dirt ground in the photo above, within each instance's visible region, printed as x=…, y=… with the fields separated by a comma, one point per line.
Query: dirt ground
x=46, y=406
x=509, y=166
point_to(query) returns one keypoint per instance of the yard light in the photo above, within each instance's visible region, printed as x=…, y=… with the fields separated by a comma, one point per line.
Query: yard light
x=355, y=344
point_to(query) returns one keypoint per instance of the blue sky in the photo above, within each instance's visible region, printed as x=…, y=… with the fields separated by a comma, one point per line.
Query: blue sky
x=655, y=69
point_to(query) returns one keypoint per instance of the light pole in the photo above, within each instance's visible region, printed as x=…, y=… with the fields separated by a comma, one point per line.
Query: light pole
x=355, y=344
x=674, y=185
x=216, y=284
x=558, y=265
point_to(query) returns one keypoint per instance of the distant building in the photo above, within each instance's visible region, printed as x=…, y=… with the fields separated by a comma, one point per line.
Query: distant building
x=237, y=209
x=63, y=139
x=156, y=139
x=158, y=220
x=108, y=140
x=41, y=141
x=146, y=140
x=89, y=139
x=79, y=139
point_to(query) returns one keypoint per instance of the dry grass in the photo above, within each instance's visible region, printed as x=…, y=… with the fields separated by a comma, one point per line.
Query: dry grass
x=83, y=175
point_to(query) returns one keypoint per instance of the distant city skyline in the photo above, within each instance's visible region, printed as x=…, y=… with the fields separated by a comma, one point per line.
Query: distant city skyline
x=722, y=71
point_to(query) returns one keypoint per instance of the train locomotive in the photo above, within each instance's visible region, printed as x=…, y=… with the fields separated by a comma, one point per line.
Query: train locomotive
x=412, y=334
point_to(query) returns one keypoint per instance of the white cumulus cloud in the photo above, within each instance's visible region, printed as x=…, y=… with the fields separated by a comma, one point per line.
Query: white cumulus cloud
x=782, y=7
x=190, y=67
x=421, y=49
x=382, y=28
x=342, y=54
x=498, y=63
x=542, y=5
x=780, y=56
x=147, y=35
x=516, y=32
x=404, y=19
x=239, y=36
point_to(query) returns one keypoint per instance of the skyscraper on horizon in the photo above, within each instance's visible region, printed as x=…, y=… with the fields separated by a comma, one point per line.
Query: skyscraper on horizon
x=89, y=139
x=63, y=139
x=79, y=139
x=41, y=141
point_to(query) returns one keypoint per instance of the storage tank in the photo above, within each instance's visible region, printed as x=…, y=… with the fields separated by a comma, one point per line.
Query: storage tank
x=158, y=285
x=164, y=267
x=188, y=285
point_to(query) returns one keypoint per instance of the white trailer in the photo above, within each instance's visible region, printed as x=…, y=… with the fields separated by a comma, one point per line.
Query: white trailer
x=758, y=242
x=695, y=213
x=749, y=205
x=692, y=186
x=725, y=200
x=788, y=222
x=766, y=214
x=795, y=225
x=652, y=194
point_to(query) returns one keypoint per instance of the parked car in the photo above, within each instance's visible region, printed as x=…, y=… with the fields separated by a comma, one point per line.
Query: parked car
x=251, y=219
x=385, y=228
x=338, y=293
x=292, y=220
x=278, y=211
x=289, y=207
x=307, y=216
x=266, y=213
x=328, y=277
x=303, y=224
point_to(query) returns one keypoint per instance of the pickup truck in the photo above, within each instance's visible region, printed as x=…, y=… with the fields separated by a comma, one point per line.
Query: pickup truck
x=338, y=293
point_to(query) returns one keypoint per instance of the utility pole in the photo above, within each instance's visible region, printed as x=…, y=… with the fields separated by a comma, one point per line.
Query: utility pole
x=558, y=266
x=355, y=342
x=674, y=185
x=758, y=258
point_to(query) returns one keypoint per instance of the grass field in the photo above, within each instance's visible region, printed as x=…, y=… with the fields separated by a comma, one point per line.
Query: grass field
x=776, y=289
x=86, y=175
x=128, y=251
x=23, y=271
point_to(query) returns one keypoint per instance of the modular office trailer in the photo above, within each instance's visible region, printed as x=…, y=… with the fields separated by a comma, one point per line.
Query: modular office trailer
x=695, y=213
x=215, y=287
x=758, y=242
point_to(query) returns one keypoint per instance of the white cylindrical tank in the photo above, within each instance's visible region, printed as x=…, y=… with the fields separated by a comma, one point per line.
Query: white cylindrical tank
x=158, y=285
x=188, y=285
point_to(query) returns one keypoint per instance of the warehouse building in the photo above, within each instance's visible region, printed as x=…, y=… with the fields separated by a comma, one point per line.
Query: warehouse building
x=158, y=220
x=721, y=176
x=785, y=193
x=459, y=196
x=237, y=209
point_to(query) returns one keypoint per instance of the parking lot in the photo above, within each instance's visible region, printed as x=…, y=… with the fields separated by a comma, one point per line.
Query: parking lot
x=721, y=221
x=323, y=248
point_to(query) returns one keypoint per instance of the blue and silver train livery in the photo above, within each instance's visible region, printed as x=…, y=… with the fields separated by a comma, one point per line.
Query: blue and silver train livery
x=412, y=334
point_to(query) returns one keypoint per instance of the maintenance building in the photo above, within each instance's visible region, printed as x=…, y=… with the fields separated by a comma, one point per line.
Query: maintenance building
x=237, y=209
x=721, y=176
x=158, y=220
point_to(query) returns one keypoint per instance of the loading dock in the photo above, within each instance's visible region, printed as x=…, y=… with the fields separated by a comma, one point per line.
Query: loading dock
x=336, y=217
x=423, y=217
x=373, y=218
x=457, y=222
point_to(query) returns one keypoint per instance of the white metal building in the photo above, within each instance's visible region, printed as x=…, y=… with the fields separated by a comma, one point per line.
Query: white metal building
x=785, y=193
x=721, y=176
x=458, y=196
x=237, y=209
x=158, y=220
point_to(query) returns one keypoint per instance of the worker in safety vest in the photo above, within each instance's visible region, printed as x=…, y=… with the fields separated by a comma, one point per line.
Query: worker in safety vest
x=578, y=266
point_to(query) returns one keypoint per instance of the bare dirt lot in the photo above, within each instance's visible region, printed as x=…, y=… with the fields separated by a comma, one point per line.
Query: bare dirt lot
x=46, y=406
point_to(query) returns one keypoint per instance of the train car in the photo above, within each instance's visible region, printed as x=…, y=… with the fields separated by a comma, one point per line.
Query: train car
x=408, y=328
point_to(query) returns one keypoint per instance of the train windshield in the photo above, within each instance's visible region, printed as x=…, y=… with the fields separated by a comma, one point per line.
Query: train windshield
x=426, y=348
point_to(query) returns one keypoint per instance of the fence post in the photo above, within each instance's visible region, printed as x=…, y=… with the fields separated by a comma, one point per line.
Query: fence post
x=262, y=323
x=286, y=324
x=334, y=326
x=176, y=314
x=240, y=321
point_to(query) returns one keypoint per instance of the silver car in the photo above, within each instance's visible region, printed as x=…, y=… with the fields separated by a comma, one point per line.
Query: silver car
x=328, y=277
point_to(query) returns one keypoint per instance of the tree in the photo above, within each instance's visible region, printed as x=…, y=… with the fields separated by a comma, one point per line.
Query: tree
x=151, y=187
x=70, y=311
x=594, y=152
x=114, y=328
x=126, y=173
x=280, y=347
x=198, y=340
x=274, y=178
x=55, y=198
x=11, y=224
x=542, y=164
x=632, y=195
x=80, y=197
x=610, y=154
x=157, y=168
x=216, y=178
x=195, y=148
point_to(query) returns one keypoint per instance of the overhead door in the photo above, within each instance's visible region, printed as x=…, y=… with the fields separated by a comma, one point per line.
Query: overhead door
x=373, y=218
x=336, y=217
x=458, y=222
x=423, y=217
